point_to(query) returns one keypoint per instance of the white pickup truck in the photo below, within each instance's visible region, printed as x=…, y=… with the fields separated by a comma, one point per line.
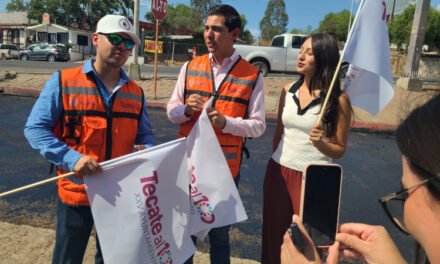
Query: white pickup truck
x=279, y=57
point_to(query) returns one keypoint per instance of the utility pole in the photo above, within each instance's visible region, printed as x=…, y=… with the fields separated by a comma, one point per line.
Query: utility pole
x=417, y=37
x=351, y=14
x=134, y=71
x=392, y=10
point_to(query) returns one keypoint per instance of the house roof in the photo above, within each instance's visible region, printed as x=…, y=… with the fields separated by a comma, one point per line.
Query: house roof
x=45, y=26
x=15, y=19
x=56, y=28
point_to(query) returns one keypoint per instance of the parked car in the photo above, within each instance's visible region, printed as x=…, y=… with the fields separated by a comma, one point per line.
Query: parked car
x=8, y=51
x=49, y=52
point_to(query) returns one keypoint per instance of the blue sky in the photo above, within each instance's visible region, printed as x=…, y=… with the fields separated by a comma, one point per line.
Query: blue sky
x=301, y=12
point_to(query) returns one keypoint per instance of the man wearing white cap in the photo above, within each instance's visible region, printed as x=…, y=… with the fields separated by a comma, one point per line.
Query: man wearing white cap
x=83, y=116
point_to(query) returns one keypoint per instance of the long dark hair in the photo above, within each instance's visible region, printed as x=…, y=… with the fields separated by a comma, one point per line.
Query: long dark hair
x=418, y=138
x=326, y=52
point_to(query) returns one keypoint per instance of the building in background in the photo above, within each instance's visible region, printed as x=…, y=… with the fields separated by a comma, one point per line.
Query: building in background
x=13, y=28
x=78, y=40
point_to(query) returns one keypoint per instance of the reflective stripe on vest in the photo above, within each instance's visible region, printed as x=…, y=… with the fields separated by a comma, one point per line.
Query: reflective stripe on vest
x=231, y=99
x=92, y=128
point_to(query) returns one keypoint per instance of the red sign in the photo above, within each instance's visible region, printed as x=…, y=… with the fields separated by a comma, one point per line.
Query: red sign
x=159, y=9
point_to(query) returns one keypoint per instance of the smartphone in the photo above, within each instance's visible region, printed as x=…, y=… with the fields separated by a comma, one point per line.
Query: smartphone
x=320, y=202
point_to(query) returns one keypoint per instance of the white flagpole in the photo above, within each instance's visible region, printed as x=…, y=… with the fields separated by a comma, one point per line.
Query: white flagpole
x=338, y=67
x=352, y=28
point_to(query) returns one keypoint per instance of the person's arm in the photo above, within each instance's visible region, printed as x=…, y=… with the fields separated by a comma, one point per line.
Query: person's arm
x=336, y=145
x=255, y=124
x=280, y=126
x=176, y=105
x=372, y=244
x=144, y=134
x=39, y=128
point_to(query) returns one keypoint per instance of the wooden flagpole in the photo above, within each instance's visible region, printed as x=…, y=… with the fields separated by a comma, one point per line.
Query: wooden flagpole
x=32, y=185
x=338, y=67
x=70, y=174
x=330, y=89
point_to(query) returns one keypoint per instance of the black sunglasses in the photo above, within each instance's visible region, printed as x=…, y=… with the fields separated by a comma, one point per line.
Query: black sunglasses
x=394, y=203
x=116, y=39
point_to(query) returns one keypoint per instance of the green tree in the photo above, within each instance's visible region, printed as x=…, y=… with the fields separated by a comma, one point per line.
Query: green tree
x=202, y=6
x=65, y=12
x=17, y=6
x=38, y=8
x=125, y=7
x=69, y=12
x=432, y=36
x=274, y=21
x=179, y=16
x=307, y=31
x=336, y=24
x=245, y=34
x=400, y=28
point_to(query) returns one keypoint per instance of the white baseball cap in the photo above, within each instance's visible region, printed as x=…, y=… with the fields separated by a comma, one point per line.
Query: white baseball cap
x=117, y=24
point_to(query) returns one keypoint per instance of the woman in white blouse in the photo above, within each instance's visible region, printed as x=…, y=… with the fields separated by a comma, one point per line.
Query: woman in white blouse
x=299, y=140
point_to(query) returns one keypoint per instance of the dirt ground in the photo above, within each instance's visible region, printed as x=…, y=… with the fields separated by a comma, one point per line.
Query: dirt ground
x=32, y=245
x=28, y=244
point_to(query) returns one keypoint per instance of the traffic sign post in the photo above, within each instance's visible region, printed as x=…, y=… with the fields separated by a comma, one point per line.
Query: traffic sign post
x=159, y=10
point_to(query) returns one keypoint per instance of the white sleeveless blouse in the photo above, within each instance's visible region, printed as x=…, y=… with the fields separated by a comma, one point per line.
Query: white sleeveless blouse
x=295, y=149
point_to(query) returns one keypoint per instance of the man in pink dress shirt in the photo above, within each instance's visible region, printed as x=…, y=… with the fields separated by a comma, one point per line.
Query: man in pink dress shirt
x=221, y=73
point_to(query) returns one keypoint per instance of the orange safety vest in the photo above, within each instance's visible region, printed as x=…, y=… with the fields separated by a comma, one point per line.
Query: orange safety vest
x=231, y=99
x=90, y=127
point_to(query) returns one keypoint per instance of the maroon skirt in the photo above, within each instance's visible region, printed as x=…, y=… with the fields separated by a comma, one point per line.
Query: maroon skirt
x=282, y=194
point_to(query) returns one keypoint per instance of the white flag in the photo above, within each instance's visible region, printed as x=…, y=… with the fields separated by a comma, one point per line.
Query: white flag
x=214, y=196
x=369, y=81
x=140, y=204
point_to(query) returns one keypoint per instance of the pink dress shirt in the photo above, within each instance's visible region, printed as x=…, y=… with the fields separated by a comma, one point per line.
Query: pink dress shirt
x=253, y=126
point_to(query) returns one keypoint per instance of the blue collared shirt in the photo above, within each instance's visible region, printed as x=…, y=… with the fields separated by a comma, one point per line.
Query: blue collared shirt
x=47, y=112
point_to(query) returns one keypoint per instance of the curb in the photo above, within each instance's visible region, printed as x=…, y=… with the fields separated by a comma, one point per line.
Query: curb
x=357, y=125
x=19, y=91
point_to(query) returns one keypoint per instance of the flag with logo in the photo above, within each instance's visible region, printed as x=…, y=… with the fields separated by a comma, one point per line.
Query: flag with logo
x=215, y=201
x=369, y=81
x=140, y=204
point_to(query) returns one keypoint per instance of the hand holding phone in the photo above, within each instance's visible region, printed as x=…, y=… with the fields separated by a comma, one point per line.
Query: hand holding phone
x=298, y=246
x=297, y=237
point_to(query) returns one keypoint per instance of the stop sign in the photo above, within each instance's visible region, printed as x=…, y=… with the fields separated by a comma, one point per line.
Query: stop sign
x=159, y=9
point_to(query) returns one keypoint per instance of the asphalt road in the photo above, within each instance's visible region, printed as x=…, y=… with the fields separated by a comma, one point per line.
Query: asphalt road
x=372, y=169
x=49, y=67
